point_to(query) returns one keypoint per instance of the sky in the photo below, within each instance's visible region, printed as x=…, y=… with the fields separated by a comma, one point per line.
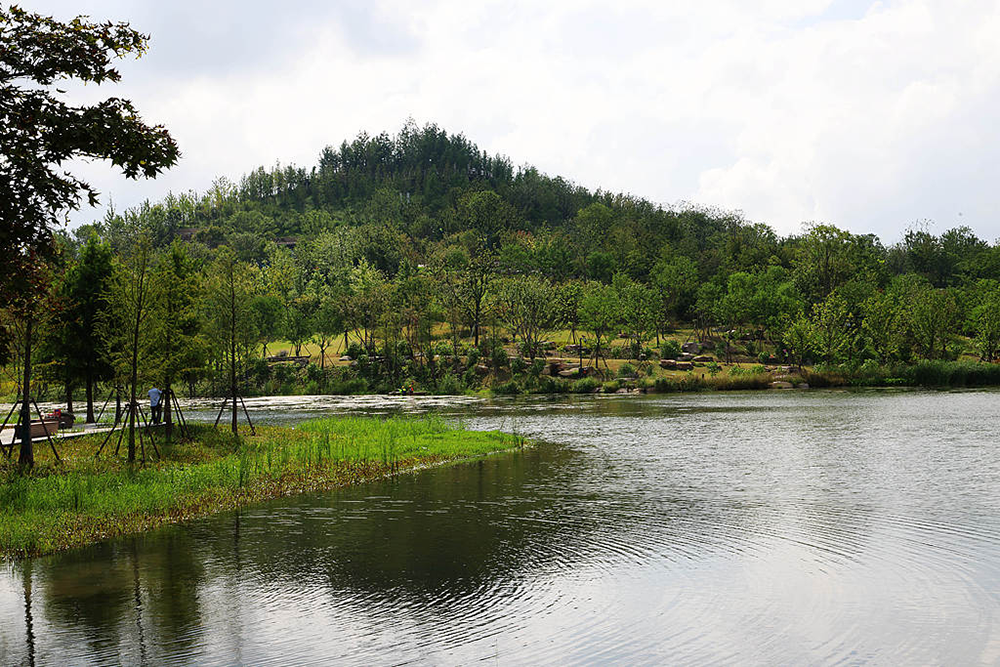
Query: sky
x=872, y=116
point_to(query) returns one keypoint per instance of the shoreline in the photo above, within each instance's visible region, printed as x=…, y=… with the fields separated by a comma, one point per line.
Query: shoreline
x=86, y=501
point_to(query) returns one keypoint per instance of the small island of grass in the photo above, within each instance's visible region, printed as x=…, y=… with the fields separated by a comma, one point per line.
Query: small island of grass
x=86, y=499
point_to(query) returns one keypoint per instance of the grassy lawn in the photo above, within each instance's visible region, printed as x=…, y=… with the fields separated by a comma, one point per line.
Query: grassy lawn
x=85, y=500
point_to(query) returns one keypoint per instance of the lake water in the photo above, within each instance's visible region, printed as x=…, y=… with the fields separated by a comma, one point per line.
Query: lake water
x=817, y=527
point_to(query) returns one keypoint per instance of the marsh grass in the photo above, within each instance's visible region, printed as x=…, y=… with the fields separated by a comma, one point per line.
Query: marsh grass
x=87, y=499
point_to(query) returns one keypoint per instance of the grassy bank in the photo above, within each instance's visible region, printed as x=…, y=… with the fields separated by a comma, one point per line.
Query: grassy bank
x=85, y=500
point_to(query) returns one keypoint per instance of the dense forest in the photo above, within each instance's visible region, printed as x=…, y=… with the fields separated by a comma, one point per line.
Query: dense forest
x=436, y=266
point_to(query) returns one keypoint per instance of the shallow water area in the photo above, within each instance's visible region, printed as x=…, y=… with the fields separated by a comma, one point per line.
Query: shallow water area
x=811, y=527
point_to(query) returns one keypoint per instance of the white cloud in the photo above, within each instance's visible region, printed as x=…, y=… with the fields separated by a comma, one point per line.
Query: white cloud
x=865, y=115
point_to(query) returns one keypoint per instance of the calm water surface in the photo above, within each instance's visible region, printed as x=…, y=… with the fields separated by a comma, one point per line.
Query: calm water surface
x=763, y=528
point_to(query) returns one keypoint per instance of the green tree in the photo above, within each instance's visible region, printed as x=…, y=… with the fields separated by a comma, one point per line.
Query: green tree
x=328, y=322
x=299, y=323
x=527, y=307
x=600, y=315
x=230, y=317
x=676, y=283
x=880, y=326
x=182, y=351
x=797, y=339
x=568, y=298
x=986, y=320
x=369, y=298
x=132, y=329
x=831, y=324
x=84, y=292
x=638, y=307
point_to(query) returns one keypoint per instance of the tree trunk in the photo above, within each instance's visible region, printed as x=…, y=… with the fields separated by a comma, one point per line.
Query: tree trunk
x=135, y=381
x=90, y=398
x=232, y=353
x=69, y=398
x=26, y=457
x=167, y=415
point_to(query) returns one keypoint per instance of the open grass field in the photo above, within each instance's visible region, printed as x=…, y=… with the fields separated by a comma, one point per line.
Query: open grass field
x=87, y=499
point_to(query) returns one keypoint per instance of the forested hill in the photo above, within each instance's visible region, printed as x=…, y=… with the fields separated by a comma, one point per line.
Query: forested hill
x=427, y=185
x=396, y=200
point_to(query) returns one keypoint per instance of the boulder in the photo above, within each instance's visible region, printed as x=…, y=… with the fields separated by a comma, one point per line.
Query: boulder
x=691, y=347
x=780, y=384
x=704, y=358
x=686, y=356
x=802, y=385
x=481, y=369
x=684, y=366
x=569, y=373
x=668, y=364
x=346, y=357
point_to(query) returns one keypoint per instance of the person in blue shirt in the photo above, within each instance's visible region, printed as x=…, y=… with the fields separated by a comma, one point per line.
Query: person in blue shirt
x=154, y=404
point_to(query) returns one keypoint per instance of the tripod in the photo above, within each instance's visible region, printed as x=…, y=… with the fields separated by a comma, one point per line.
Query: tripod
x=181, y=421
x=223, y=409
x=118, y=404
x=134, y=414
x=8, y=450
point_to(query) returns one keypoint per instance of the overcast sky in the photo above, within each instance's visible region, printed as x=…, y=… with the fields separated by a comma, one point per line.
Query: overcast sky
x=868, y=115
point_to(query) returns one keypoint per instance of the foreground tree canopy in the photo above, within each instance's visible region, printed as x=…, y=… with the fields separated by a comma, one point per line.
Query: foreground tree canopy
x=39, y=131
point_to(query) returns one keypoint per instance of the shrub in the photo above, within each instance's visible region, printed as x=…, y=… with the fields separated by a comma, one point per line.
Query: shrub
x=547, y=385
x=283, y=373
x=670, y=349
x=518, y=365
x=626, y=370
x=509, y=388
x=611, y=387
x=714, y=368
x=449, y=384
x=498, y=356
x=314, y=374
x=585, y=386
x=260, y=371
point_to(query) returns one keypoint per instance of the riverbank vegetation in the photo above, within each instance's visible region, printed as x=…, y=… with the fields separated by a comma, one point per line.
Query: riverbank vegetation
x=417, y=263
x=86, y=499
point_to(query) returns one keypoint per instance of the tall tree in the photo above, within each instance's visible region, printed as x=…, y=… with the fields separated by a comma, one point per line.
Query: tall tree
x=600, y=315
x=182, y=349
x=229, y=313
x=527, y=306
x=85, y=289
x=132, y=329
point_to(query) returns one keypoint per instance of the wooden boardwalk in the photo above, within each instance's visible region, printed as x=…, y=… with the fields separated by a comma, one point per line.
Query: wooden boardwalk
x=7, y=435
